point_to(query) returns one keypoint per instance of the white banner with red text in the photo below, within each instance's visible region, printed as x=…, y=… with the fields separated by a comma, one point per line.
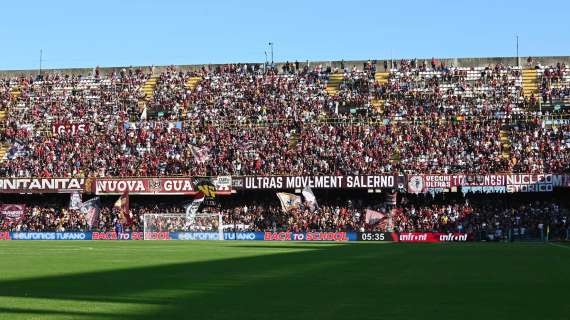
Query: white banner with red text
x=156, y=186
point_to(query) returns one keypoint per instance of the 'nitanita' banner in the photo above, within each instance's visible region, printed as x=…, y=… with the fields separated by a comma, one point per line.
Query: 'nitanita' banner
x=41, y=185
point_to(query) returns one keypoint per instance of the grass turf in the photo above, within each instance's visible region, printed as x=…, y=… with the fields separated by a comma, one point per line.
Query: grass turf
x=256, y=280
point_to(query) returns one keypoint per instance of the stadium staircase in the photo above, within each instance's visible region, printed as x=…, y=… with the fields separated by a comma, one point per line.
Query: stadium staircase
x=335, y=79
x=192, y=82
x=293, y=139
x=381, y=78
x=505, y=144
x=530, y=83
x=377, y=105
x=563, y=102
x=15, y=92
x=148, y=89
x=3, y=150
x=3, y=114
x=395, y=157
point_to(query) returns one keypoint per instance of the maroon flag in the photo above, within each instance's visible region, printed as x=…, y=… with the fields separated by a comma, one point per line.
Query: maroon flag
x=12, y=212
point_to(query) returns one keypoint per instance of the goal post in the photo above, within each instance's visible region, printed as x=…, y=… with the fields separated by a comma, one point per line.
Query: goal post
x=180, y=222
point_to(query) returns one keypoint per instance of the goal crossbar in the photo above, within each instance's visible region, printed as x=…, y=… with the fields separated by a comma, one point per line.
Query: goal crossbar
x=181, y=222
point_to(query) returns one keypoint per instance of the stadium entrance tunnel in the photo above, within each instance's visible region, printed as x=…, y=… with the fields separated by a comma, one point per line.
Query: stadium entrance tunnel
x=316, y=281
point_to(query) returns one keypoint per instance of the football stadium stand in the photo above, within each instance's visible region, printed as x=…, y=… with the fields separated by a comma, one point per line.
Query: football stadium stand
x=414, y=128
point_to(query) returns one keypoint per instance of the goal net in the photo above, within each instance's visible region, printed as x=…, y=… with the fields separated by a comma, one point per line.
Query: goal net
x=180, y=222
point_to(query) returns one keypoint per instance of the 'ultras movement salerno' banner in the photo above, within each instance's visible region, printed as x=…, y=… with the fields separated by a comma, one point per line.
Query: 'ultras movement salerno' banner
x=318, y=182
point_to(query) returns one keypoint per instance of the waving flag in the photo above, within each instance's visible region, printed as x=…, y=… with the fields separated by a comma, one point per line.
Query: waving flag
x=201, y=155
x=12, y=212
x=91, y=209
x=122, y=204
x=193, y=207
x=373, y=216
x=310, y=198
x=289, y=201
x=75, y=200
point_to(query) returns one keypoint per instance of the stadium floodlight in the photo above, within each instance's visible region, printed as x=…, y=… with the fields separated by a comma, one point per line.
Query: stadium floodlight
x=202, y=223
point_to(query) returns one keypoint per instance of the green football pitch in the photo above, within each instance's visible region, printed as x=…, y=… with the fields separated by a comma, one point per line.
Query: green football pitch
x=256, y=280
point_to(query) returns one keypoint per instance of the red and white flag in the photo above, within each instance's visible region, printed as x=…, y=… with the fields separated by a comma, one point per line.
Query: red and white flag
x=310, y=198
x=373, y=217
x=201, y=155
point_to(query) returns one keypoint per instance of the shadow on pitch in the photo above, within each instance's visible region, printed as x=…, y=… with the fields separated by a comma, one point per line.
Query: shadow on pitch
x=221, y=289
x=330, y=282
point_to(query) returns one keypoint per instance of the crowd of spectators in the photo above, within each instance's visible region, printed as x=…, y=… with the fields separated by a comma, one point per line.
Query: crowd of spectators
x=40, y=218
x=252, y=121
x=5, y=96
x=485, y=218
x=536, y=148
x=154, y=148
x=491, y=92
x=61, y=219
x=555, y=83
x=490, y=219
x=243, y=97
x=76, y=99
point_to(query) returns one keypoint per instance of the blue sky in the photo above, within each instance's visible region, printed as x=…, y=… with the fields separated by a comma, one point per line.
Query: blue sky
x=122, y=33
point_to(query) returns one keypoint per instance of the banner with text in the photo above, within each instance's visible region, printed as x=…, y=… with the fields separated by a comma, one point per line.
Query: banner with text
x=12, y=212
x=156, y=186
x=432, y=237
x=318, y=182
x=216, y=235
x=310, y=236
x=85, y=235
x=489, y=183
x=72, y=129
x=41, y=185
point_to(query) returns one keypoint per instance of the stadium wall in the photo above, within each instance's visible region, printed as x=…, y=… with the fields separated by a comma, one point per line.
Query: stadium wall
x=459, y=62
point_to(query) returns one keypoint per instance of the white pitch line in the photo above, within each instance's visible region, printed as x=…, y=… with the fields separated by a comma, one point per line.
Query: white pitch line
x=559, y=245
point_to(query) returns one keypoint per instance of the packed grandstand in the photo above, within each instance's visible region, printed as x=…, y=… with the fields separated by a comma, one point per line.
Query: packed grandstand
x=399, y=146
